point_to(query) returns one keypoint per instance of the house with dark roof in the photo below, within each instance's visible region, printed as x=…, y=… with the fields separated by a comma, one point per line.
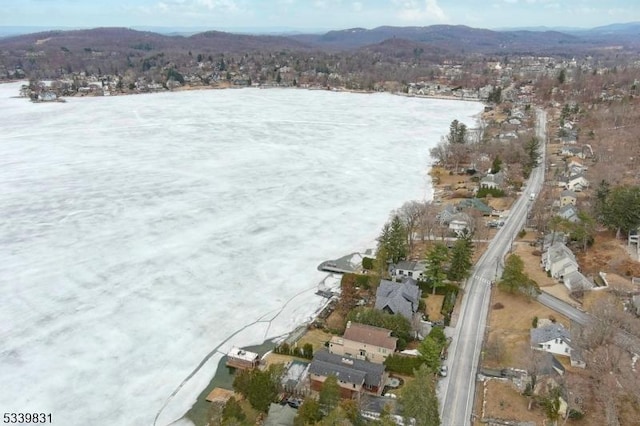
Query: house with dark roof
x=364, y=342
x=446, y=214
x=555, y=339
x=354, y=376
x=569, y=212
x=398, y=298
x=492, y=181
x=475, y=204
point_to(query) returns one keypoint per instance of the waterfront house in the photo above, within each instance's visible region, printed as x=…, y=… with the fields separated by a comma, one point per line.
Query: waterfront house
x=244, y=360
x=364, y=342
x=354, y=376
x=407, y=268
x=398, y=298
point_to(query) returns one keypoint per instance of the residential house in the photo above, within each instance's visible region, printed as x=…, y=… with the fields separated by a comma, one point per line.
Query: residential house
x=559, y=260
x=553, y=338
x=571, y=151
x=244, y=360
x=492, y=181
x=568, y=197
x=461, y=223
x=475, y=204
x=569, y=212
x=354, y=376
x=398, y=298
x=561, y=263
x=364, y=342
x=556, y=339
x=575, y=168
x=408, y=268
x=576, y=183
x=446, y=214
x=551, y=238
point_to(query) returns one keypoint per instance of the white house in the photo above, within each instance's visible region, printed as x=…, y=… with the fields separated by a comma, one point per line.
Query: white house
x=556, y=339
x=576, y=183
x=460, y=223
x=406, y=268
x=560, y=261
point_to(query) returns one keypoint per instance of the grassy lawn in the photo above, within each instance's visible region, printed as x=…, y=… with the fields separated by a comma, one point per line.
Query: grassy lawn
x=510, y=324
x=316, y=337
x=433, y=306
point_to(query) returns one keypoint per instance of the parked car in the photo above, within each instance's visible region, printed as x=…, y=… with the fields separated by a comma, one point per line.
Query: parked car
x=444, y=370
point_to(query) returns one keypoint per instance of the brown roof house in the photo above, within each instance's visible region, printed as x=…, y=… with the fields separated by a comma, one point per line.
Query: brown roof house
x=364, y=342
x=354, y=376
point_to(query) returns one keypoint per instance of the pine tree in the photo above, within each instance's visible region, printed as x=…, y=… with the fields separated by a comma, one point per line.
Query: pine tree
x=461, y=256
x=435, y=269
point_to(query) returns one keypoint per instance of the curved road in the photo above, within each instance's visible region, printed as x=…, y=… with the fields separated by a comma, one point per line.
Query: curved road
x=457, y=391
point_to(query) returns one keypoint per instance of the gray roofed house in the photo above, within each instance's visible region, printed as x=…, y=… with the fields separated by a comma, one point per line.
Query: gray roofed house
x=353, y=375
x=569, y=212
x=575, y=281
x=560, y=261
x=475, y=204
x=446, y=214
x=492, y=180
x=398, y=298
x=553, y=237
x=556, y=339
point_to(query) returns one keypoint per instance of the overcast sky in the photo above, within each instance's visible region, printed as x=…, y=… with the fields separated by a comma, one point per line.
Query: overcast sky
x=316, y=14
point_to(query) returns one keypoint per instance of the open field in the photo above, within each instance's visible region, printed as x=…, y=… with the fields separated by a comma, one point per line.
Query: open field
x=510, y=325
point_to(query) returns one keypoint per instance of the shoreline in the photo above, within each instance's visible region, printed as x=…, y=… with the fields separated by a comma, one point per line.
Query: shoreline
x=62, y=99
x=201, y=407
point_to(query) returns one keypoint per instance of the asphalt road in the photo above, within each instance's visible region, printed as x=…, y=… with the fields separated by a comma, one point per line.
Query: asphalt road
x=457, y=390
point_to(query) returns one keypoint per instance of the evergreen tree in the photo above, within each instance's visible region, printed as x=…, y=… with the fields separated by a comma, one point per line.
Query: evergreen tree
x=233, y=410
x=430, y=350
x=419, y=400
x=393, y=240
x=309, y=413
x=457, y=133
x=435, y=272
x=329, y=395
x=514, y=279
x=461, y=256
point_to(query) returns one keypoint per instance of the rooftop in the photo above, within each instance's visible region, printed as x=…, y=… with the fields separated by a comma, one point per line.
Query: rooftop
x=370, y=335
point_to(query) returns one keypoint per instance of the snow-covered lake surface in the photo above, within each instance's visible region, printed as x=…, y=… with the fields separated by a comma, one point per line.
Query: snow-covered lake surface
x=140, y=233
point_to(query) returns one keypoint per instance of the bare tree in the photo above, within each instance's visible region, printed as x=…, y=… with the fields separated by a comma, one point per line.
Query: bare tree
x=428, y=220
x=410, y=214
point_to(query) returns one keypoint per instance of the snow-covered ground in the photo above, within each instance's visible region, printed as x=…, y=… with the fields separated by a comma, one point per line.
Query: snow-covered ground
x=139, y=233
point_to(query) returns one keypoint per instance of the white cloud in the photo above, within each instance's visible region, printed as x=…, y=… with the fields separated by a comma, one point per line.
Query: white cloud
x=357, y=6
x=415, y=10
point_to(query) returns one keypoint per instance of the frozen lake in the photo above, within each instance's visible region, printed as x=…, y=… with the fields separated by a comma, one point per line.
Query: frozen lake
x=139, y=233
